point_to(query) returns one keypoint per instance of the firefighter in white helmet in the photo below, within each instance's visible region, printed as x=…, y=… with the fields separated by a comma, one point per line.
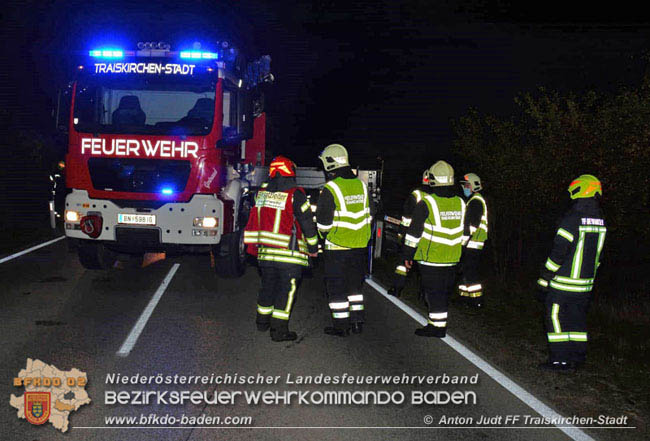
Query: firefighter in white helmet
x=416, y=195
x=343, y=218
x=476, y=220
x=434, y=240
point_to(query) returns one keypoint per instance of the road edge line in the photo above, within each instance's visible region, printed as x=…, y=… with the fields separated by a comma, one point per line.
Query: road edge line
x=512, y=387
x=29, y=250
x=137, y=329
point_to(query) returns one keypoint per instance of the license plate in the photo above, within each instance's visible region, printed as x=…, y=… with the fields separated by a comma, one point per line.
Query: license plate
x=136, y=219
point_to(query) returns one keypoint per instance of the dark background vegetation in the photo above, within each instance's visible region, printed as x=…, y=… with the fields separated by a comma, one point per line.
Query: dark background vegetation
x=528, y=97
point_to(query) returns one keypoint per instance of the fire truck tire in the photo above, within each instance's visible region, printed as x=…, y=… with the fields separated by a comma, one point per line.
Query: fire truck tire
x=94, y=255
x=230, y=257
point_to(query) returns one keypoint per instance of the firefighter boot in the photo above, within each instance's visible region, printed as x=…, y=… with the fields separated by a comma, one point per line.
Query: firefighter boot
x=558, y=366
x=431, y=331
x=280, y=331
x=262, y=321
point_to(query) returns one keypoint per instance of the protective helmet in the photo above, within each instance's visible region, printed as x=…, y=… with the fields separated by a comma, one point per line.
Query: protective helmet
x=334, y=156
x=585, y=186
x=440, y=174
x=282, y=165
x=472, y=181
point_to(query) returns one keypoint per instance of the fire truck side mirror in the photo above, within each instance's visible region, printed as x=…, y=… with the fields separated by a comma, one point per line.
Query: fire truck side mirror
x=61, y=111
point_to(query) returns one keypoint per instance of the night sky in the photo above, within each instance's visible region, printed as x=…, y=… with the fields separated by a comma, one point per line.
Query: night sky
x=383, y=78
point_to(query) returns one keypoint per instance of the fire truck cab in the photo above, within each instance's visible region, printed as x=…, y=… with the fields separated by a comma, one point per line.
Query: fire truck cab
x=162, y=150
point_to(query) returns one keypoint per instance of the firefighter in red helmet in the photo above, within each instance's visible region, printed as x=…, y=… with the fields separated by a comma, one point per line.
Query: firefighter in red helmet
x=282, y=235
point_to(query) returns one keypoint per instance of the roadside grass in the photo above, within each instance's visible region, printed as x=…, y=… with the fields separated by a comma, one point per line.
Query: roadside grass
x=509, y=333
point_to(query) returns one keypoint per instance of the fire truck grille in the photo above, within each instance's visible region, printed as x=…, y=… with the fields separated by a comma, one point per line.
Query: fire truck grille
x=135, y=175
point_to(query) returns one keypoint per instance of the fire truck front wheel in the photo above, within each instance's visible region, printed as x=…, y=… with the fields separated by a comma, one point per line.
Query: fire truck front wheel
x=94, y=255
x=230, y=256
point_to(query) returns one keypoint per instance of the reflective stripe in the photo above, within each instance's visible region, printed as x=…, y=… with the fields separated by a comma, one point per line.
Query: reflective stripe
x=337, y=193
x=572, y=281
x=438, y=315
x=565, y=234
x=325, y=227
x=345, y=314
x=475, y=245
x=356, y=307
x=351, y=226
x=339, y=305
x=557, y=336
x=442, y=240
x=577, y=257
x=571, y=288
x=418, y=195
x=476, y=287
x=542, y=282
x=356, y=298
x=408, y=240
x=280, y=314
x=433, y=228
x=555, y=311
x=551, y=266
x=464, y=240
x=312, y=240
x=471, y=294
x=439, y=324
x=406, y=221
x=577, y=336
x=401, y=270
x=332, y=246
x=264, y=310
x=352, y=214
x=422, y=262
x=283, y=259
x=304, y=207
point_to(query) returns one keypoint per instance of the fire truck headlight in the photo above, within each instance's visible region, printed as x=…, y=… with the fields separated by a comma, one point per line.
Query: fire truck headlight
x=72, y=216
x=206, y=222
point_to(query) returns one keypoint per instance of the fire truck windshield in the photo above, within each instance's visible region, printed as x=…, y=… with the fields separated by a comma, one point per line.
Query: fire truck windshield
x=154, y=106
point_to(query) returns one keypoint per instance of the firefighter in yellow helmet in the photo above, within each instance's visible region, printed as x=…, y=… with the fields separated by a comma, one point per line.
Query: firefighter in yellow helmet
x=434, y=240
x=569, y=273
x=476, y=220
x=343, y=217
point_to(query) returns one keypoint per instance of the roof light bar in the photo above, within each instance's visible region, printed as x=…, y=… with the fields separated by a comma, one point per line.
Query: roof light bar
x=106, y=53
x=195, y=55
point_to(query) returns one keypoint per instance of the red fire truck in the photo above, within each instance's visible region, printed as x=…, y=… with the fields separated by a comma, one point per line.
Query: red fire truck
x=162, y=151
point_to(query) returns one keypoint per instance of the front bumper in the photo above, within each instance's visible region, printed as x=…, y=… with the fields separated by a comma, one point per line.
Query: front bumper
x=174, y=221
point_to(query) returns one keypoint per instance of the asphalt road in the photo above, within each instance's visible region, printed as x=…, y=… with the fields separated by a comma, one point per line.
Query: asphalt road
x=55, y=311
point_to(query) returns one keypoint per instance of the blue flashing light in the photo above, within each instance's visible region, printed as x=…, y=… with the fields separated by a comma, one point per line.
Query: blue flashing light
x=199, y=55
x=106, y=53
x=167, y=191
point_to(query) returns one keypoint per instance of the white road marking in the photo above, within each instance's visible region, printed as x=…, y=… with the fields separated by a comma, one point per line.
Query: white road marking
x=29, y=250
x=539, y=407
x=133, y=336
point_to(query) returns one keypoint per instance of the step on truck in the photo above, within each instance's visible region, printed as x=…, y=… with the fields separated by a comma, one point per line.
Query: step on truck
x=162, y=149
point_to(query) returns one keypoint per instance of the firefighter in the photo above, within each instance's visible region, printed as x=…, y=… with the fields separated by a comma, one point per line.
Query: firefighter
x=569, y=273
x=399, y=279
x=343, y=217
x=476, y=221
x=282, y=234
x=434, y=240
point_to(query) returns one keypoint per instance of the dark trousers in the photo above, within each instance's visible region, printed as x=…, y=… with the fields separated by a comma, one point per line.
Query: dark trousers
x=279, y=286
x=437, y=283
x=471, y=288
x=345, y=272
x=566, y=325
